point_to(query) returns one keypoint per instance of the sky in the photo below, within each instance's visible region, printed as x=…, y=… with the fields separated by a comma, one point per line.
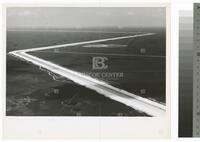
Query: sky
x=84, y=17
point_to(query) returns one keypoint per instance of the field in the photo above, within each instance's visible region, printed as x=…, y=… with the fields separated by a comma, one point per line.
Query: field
x=31, y=91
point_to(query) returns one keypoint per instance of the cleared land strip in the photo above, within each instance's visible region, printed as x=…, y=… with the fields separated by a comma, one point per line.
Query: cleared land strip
x=109, y=54
x=85, y=42
x=139, y=103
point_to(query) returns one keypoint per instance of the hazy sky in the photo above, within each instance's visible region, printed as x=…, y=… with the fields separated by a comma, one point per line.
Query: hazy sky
x=40, y=17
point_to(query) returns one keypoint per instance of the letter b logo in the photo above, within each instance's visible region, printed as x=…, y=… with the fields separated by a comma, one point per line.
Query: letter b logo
x=99, y=63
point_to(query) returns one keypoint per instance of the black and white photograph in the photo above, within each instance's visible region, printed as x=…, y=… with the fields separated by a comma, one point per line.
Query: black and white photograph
x=86, y=61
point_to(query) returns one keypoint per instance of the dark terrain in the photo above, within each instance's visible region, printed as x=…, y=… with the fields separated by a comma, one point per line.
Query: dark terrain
x=32, y=92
